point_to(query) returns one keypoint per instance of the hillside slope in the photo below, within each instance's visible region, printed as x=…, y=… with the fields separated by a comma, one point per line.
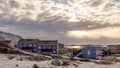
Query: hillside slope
x=9, y=36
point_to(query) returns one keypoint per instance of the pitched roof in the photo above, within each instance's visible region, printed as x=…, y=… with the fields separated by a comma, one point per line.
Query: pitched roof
x=24, y=41
x=48, y=42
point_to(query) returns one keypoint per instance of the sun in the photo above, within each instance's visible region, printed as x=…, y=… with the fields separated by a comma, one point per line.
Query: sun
x=76, y=33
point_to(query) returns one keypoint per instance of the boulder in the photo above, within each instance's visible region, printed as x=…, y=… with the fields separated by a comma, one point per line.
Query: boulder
x=65, y=62
x=57, y=62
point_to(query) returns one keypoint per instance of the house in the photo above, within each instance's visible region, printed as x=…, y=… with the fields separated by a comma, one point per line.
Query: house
x=48, y=46
x=29, y=45
x=89, y=52
x=114, y=49
x=39, y=46
x=61, y=46
x=102, y=51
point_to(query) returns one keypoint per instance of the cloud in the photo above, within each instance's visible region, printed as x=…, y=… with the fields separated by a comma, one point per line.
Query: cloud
x=96, y=3
x=4, y=28
x=47, y=19
x=100, y=11
x=109, y=32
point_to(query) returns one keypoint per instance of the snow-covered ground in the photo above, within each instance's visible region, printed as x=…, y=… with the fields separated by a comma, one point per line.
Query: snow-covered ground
x=6, y=63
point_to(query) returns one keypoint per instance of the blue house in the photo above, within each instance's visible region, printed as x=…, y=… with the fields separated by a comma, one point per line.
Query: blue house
x=29, y=45
x=89, y=52
x=34, y=45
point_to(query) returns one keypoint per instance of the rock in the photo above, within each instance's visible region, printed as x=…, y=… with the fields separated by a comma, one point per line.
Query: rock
x=16, y=65
x=21, y=59
x=10, y=57
x=75, y=65
x=35, y=66
x=57, y=62
x=66, y=62
x=8, y=49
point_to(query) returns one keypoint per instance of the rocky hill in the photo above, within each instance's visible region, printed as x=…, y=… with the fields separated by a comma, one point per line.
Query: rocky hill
x=9, y=36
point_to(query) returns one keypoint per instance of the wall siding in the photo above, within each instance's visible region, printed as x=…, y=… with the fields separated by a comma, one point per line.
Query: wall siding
x=89, y=52
x=52, y=47
x=38, y=48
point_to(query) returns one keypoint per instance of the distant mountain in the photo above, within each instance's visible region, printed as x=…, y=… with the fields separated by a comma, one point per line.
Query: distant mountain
x=9, y=36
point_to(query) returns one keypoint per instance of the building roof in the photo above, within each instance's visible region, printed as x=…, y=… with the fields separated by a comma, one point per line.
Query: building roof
x=24, y=41
x=48, y=42
x=101, y=48
x=97, y=47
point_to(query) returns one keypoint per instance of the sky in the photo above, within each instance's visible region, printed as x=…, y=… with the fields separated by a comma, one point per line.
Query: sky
x=69, y=21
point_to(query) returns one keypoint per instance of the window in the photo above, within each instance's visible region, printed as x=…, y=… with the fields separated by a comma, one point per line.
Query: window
x=88, y=52
x=54, y=47
x=54, y=51
x=30, y=45
x=34, y=49
x=39, y=47
x=34, y=45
